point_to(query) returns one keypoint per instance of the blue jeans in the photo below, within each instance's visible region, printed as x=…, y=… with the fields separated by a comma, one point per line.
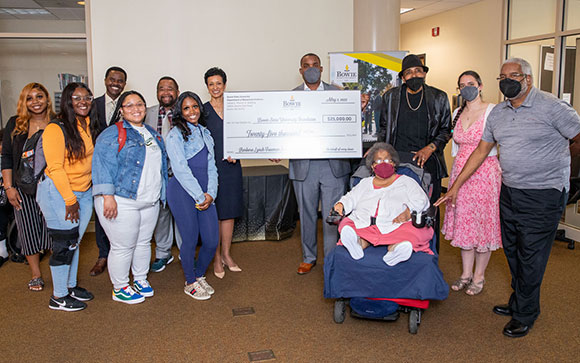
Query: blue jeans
x=54, y=210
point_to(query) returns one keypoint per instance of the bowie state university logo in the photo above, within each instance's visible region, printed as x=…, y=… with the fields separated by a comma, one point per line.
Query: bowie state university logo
x=347, y=74
x=291, y=103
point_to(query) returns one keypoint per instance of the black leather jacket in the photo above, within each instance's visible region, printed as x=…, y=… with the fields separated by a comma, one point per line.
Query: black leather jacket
x=439, y=120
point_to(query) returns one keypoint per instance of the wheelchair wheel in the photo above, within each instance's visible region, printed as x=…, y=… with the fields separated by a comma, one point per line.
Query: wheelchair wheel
x=414, y=321
x=339, y=311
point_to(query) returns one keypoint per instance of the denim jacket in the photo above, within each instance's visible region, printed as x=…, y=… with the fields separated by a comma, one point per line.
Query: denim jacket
x=119, y=172
x=180, y=151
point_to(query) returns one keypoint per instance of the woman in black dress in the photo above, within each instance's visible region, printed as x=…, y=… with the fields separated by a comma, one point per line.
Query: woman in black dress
x=229, y=201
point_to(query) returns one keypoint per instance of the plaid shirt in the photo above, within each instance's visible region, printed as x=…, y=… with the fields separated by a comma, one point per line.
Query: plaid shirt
x=161, y=116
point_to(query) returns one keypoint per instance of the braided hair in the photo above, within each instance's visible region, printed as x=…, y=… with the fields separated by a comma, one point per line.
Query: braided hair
x=475, y=75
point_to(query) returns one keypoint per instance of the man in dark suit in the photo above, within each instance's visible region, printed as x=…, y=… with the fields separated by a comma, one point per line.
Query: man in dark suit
x=115, y=81
x=316, y=179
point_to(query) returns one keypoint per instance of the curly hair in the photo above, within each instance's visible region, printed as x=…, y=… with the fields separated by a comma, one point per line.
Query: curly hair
x=23, y=116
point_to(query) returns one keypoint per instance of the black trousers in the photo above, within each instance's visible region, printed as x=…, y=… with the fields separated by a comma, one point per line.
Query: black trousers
x=434, y=196
x=529, y=220
x=102, y=240
x=5, y=218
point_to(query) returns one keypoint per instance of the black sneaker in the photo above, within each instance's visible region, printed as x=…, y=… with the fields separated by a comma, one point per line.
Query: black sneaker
x=66, y=303
x=80, y=294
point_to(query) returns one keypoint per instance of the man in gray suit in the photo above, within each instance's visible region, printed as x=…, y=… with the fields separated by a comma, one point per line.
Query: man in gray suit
x=159, y=117
x=317, y=179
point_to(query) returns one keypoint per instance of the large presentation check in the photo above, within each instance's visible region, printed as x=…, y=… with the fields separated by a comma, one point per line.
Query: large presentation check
x=292, y=125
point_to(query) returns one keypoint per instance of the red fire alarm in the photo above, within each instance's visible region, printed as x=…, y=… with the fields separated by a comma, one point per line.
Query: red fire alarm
x=435, y=31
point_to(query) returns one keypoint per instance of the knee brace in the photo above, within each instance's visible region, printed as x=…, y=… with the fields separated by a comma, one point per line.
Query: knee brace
x=64, y=245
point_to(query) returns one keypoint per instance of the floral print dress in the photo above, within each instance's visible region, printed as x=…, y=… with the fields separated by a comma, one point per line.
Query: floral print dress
x=474, y=221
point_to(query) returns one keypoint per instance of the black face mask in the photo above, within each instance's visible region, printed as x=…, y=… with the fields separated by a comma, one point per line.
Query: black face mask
x=510, y=87
x=415, y=83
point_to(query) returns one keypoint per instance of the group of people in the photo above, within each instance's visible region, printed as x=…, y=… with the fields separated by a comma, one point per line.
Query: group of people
x=140, y=169
x=511, y=198
x=165, y=163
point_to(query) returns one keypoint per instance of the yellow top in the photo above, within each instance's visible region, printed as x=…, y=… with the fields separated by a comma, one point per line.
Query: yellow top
x=67, y=176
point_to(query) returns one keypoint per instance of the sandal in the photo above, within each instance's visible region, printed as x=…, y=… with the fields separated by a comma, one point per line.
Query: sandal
x=460, y=284
x=475, y=288
x=36, y=284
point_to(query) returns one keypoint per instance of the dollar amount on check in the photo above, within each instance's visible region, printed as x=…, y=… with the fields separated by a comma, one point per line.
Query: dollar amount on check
x=292, y=125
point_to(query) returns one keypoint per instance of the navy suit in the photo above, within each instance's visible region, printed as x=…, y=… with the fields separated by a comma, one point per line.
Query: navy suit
x=102, y=241
x=101, y=112
x=314, y=180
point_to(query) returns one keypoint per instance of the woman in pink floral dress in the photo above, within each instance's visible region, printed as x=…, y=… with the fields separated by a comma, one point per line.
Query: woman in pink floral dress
x=472, y=224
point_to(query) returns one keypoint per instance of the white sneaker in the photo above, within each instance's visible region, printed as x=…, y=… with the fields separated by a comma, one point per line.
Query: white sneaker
x=196, y=291
x=349, y=239
x=203, y=283
x=401, y=252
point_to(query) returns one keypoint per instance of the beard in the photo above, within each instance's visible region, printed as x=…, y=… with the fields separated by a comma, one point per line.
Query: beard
x=167, y=101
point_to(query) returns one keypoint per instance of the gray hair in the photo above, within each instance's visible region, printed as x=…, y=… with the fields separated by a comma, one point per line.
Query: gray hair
x=370, y=158
x=526, y=67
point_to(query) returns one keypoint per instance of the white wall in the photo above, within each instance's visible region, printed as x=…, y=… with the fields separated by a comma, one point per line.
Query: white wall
x=257, y=42
x=470, y=39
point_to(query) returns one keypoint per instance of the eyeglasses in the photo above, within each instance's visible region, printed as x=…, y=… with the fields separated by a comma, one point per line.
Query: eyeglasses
x=81, y=98
x=510, y=76
x=134, y=105
x=380, y=161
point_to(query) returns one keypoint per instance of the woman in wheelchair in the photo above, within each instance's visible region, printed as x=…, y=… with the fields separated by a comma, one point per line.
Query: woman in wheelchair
x=378, y=210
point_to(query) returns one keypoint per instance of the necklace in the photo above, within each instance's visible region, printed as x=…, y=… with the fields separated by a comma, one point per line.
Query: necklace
x=218, y=108
x=409, y=103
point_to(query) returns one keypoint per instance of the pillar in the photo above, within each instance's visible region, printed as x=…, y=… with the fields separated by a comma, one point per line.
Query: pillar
x=376, y=25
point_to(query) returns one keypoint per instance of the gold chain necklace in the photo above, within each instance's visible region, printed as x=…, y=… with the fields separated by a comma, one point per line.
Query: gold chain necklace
x=409, y=103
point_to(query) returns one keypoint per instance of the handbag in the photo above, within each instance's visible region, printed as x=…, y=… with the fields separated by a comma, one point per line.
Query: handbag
x=25, y=176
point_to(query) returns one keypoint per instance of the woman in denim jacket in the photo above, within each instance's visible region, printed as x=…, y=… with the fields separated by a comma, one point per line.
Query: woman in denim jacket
x=191, y=192
x=129, y=180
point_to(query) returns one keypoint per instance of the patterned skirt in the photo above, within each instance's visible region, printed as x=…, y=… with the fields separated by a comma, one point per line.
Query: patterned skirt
x=32, y=231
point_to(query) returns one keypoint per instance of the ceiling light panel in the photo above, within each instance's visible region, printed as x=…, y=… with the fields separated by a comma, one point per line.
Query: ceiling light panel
x=59, y=3
x=16, y=12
